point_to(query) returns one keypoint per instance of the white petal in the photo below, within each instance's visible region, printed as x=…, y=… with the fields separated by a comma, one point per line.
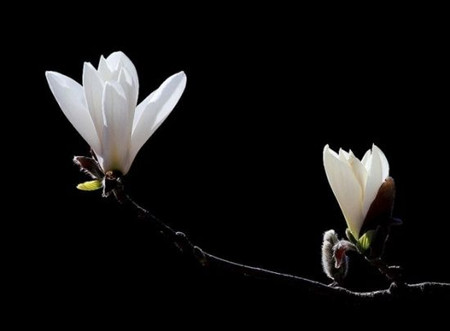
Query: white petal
x=129, y=87
x=330, y=151
x=70, y=97
x=151, y=112
x=345, y=187
x=116, y=130
x=367, y=159
x=103, y=70
x=93, y=91
x=378, y=170
x=358, y=169
x=384, y=161
x=117, y=60
x=343, y=155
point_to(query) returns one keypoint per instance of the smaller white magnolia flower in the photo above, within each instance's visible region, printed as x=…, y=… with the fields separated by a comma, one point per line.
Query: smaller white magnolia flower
x=355, y=183
x=105, y=112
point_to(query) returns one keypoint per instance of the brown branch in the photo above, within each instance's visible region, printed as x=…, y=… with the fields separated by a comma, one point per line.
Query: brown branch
x=395, y=293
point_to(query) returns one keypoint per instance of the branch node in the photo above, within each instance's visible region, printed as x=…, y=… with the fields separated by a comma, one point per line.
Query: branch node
x=200, y=256
x=182, y=242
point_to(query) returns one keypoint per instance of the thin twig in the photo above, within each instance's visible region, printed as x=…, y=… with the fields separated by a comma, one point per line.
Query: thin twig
x=396, y=291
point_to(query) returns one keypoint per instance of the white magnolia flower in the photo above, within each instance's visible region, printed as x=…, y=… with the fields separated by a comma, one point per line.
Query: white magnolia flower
x=355, y=183
x=104, y=109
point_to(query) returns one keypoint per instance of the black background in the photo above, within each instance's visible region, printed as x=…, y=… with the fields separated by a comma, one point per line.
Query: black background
x=237, y=165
